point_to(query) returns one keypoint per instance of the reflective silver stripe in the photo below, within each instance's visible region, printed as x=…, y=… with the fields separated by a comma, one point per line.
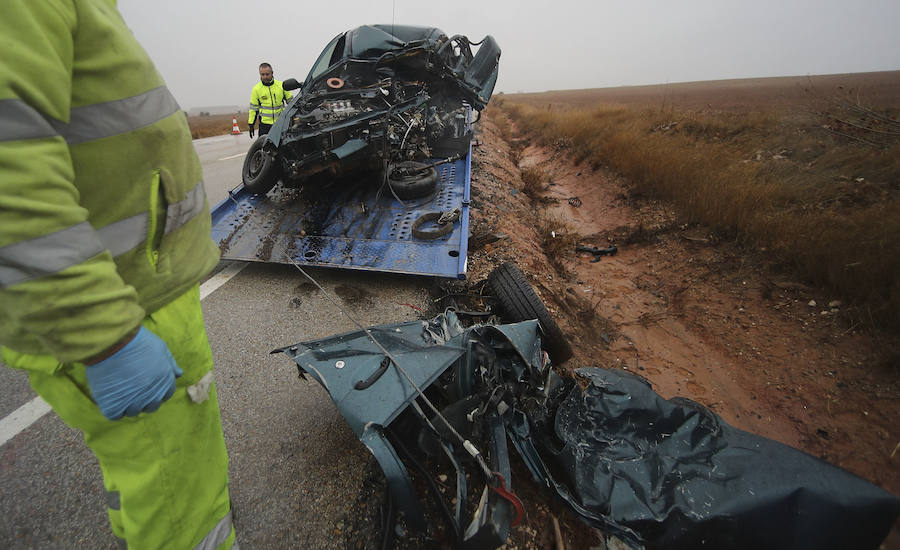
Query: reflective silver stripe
x=254, y=107
x=124, y=235
x=113, y=500
x=48, y=254
x=183, y=211
x=217, y=535
x=112, y=118
x=22, y=121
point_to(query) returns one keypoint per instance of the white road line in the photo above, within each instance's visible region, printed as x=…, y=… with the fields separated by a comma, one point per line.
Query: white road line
x=220, y=278
x=233, y=156
x=29, y=413
x=216, y=138
x=21, y=418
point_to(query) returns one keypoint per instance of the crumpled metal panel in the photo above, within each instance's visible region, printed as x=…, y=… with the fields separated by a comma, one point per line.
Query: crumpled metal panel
x=666, y=474
x=424, y=350
x=341, y=362
x=671, y=474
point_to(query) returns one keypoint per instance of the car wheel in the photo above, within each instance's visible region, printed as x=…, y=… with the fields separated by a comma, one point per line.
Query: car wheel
x=412, y=180
x=518, y=302
x=261, y=170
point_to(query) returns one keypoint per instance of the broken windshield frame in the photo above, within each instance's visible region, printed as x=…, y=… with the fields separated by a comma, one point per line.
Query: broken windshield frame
x=324, y=61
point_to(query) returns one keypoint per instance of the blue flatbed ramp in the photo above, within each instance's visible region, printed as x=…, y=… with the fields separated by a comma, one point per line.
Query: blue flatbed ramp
x=351, y=227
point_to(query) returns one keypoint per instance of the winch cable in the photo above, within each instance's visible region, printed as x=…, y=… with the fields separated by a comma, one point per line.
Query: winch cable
x=467, y=445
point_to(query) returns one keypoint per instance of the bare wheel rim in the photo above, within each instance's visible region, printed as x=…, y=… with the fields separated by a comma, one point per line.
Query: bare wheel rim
x=256, y=163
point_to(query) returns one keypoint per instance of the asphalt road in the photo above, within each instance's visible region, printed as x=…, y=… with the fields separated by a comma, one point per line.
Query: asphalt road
x=295, y=465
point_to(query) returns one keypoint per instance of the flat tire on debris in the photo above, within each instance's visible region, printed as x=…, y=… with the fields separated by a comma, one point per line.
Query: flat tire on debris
x=412, y=180
x=518, y=301
x=261, y=170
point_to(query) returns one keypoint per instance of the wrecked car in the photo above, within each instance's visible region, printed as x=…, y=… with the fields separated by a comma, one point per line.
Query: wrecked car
x=380, y=100
x=437, y=395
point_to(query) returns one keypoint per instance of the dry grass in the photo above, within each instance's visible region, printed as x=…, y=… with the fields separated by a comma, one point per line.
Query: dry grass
x=534, y=182
x=824, y=202
x=214, y=125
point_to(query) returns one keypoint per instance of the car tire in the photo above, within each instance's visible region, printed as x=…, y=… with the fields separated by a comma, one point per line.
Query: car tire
x=438, y=230
x=261, y=169
x=518, y=302
x=412, y=180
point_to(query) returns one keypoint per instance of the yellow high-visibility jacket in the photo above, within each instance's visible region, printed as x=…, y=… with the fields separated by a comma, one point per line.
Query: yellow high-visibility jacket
x=268, y=101
x=103, y=213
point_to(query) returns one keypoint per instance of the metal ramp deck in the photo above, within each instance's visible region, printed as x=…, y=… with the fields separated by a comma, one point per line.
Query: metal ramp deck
x=354, y=227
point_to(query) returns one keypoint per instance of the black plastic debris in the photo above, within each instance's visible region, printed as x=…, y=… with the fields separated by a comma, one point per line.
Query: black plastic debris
x=597, y=252
x=672, y=474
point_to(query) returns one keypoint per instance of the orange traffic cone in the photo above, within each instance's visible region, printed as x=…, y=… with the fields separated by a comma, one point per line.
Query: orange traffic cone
x=234, y=128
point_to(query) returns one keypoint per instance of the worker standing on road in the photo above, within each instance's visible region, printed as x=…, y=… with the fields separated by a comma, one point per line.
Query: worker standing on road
x=104, y=236
x=267, y=100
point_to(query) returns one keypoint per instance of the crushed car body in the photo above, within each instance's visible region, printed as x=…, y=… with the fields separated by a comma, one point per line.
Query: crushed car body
x=380, y=99
x=656, y=473
x=373, y=155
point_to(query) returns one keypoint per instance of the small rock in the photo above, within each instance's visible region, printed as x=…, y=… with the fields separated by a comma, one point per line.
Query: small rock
x=834, y=303
x=442, y=478
x=812, y=303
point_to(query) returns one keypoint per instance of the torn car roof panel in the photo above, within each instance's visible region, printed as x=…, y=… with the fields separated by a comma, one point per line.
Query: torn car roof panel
x=657, y=473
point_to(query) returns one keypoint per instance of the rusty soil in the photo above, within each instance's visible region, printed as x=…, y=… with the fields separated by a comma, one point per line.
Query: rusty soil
x=697, y=316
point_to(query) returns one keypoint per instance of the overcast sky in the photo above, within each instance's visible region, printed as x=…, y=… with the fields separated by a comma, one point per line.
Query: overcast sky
x=208, y=51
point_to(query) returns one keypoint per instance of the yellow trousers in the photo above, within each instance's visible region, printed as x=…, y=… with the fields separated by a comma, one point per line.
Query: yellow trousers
x=166, y=472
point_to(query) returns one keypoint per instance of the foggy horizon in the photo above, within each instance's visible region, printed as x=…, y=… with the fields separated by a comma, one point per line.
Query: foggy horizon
x=209, y=56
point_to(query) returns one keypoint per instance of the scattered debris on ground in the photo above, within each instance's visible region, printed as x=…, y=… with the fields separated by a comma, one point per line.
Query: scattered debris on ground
x=688, y=310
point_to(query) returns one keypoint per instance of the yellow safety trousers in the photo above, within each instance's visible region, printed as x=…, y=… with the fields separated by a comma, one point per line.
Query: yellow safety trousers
x=166, y=472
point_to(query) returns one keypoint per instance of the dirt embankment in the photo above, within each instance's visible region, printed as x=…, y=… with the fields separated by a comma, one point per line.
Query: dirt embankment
x=699, y=318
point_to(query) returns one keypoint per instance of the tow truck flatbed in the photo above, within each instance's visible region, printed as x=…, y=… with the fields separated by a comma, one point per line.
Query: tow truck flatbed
x=354, y=227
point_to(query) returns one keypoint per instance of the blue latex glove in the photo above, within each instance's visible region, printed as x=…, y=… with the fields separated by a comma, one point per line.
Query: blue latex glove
x=135, y=379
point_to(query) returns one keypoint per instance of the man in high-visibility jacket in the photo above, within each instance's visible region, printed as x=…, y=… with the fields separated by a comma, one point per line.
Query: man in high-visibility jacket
x=267, y=100
x=104, y=237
